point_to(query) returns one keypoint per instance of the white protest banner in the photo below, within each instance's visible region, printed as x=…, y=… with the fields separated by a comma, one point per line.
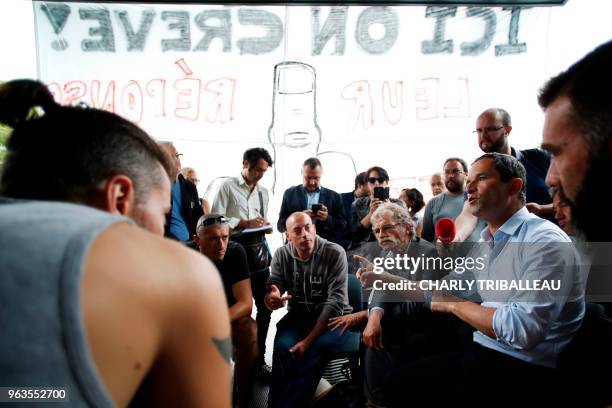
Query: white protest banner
x=398, y=87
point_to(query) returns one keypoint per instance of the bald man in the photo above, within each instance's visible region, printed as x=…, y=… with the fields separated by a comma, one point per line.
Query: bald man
x=493, y=128
x=313, y=272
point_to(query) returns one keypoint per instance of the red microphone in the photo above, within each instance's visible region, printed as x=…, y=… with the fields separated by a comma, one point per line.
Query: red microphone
x=445, y=230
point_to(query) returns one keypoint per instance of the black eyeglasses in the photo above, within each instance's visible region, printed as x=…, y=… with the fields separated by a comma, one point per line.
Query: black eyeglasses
x=375, y=179
x=488, y=129
x=214, y=220
x=178, y=155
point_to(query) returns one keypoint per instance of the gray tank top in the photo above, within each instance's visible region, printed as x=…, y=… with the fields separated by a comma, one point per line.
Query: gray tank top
x=43, y=343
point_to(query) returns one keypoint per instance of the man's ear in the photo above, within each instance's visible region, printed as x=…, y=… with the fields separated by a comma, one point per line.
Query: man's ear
x=508, y=129
x=119, y=196
x=196, y=239
x=514, y=186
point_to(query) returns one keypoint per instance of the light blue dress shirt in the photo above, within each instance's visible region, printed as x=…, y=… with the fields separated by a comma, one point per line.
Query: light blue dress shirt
x=312, y=198
x=533, y=326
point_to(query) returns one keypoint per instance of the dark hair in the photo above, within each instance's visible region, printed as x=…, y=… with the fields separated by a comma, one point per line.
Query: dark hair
x=253, y=155
x=69, y=151
x=360, y=179
x=457, y=159
x=18, y=97
x=508, y=168
x=381, y=172
x=588, y=86
x=414, y=195
x=312, y=163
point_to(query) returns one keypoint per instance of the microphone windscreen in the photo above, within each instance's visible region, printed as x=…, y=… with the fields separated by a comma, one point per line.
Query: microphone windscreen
x=445, y=230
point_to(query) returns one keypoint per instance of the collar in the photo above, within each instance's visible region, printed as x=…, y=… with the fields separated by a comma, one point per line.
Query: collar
x=508, y=228
x=515, y=153
x=242, y=182
x=317, y=190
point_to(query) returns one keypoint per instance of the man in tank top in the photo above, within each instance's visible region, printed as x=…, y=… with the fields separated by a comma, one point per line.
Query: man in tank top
x=99, y=305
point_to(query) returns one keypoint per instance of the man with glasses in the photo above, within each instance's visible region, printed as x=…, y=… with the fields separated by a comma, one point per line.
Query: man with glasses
x=185, y=207
x=449, y=204
x=493, y=127
x=212, y=239
x=394, y=328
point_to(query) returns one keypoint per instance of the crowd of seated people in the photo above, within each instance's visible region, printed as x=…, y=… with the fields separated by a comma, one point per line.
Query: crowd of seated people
x=131, y=317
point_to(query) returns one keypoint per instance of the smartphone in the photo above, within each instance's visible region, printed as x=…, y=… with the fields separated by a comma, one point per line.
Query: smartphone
x=382, y=193
x=315, y=208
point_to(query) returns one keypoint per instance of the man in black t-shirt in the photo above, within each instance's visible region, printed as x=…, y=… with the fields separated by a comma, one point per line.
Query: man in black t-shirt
x=212, y=238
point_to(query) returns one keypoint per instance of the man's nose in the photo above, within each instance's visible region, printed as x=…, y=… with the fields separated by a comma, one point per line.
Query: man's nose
x=552, y=177
x=470, y=186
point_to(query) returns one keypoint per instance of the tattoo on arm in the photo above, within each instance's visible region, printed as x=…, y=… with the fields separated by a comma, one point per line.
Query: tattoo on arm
x=224, y=346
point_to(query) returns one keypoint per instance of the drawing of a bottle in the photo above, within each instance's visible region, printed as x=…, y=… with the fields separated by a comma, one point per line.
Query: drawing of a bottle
x=294, y=132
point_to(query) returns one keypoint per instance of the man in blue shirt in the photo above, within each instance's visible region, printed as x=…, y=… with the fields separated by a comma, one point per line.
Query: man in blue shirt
x=519, y=332
x=185, y=207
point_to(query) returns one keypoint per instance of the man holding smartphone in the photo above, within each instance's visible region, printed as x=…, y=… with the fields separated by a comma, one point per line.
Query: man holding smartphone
x=324, y=206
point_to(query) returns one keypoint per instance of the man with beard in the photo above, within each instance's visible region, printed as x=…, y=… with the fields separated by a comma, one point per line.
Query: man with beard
x=244, y=201
x=578, y=133
x=450, y=203
x=314, y=273
x=394, y=330
x=493, y=127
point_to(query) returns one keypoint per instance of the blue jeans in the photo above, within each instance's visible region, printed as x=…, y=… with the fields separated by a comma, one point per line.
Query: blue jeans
x=294, y=382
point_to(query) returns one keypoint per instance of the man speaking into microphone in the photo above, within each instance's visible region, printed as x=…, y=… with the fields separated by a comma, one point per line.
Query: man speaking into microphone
x=518, y=333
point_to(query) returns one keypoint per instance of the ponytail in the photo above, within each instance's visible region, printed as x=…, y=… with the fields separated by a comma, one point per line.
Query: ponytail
x=24, y=99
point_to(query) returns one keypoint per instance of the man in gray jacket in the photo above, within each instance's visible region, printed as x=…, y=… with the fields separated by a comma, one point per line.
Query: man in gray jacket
x=313, y=272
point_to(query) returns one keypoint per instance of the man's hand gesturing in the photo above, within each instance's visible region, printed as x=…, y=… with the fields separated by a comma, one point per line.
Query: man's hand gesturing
x=274, y=300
